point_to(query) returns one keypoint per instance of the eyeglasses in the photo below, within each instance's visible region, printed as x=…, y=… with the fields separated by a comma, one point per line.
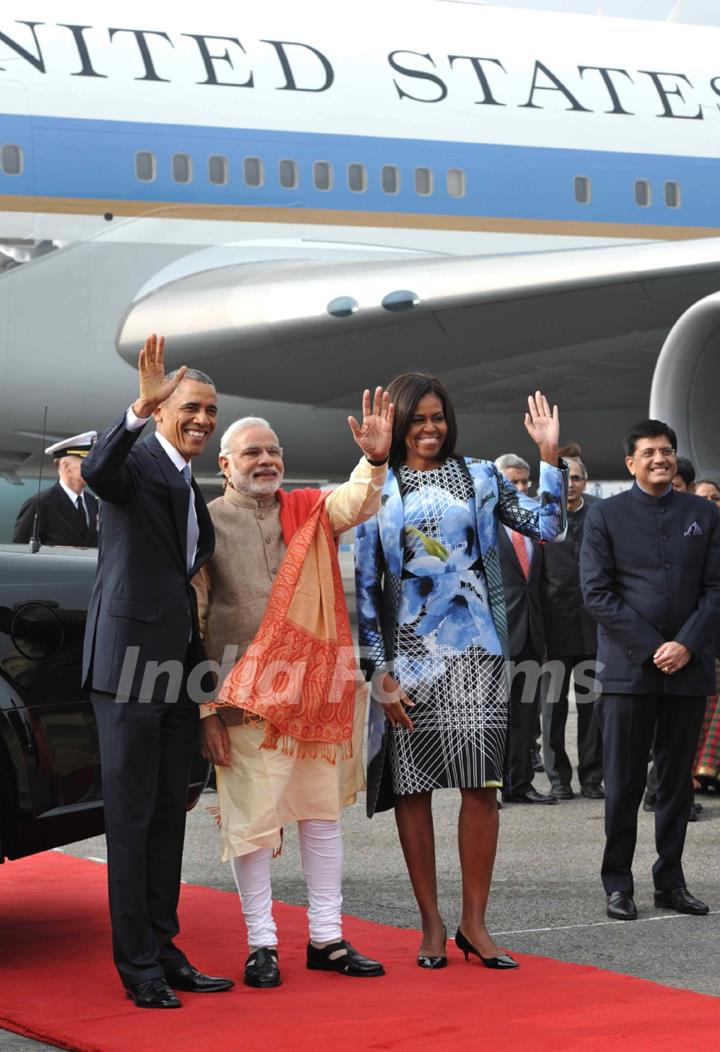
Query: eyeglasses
x=648, y=454
x=255, y=452
x=578, y=478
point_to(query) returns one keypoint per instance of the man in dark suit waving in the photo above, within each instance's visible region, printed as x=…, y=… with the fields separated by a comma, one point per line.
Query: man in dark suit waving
x=650, y=572
x=141, y=645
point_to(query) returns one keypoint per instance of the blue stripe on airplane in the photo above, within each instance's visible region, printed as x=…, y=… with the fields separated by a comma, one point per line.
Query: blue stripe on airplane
x=80, y=158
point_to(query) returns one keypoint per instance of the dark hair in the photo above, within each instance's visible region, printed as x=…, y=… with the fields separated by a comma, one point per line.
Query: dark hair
x=570, y=449
x=685, y=470
x=647, y=429
x=193, y=374
x=708, y=482
x=405, y=392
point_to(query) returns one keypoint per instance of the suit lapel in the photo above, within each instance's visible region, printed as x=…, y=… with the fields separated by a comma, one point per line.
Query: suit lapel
x=206, y=542
x=179, y=493
x=65, y=508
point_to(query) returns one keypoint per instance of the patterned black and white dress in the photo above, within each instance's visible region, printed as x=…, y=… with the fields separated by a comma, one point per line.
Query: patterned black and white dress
x=448, y=657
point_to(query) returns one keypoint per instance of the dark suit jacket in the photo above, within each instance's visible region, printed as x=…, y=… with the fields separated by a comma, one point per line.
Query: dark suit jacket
x=58, y=521
x=522, y=597
x=650, y=572
x=569, y=629
x=142, y=595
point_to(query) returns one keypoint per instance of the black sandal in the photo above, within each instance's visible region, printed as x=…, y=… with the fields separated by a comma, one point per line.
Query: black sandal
x=261, y=968
x=343, y=958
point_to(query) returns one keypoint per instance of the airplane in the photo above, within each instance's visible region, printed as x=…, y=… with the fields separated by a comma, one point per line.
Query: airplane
x=307, y=199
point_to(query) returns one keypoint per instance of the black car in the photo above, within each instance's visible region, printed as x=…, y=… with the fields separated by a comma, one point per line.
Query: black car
x=50, y=787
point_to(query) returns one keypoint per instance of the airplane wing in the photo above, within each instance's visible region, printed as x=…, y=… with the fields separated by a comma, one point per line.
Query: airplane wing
x=586, y=326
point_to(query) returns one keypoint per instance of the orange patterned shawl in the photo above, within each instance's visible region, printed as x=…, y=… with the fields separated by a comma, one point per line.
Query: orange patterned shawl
x=299, y=673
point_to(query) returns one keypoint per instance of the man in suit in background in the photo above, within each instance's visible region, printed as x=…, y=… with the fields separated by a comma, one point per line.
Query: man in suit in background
x=571, y=639
x=67, y=512
x=156, y=533
x=520, y=561
x=650, y=573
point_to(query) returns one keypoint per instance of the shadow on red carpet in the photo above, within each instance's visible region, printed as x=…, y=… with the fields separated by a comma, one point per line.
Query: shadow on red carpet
x=58, y=985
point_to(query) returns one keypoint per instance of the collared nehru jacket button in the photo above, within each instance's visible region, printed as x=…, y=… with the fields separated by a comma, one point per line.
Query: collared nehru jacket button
x=668, y=595
x=661, y=511
x=274, y=569
x=666, y=566
x=267, y=540
x=260, y=515
x=663, y=536
x=631, y=653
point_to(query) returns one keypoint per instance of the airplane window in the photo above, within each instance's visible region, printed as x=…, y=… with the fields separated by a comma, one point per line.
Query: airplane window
x=357, y=178
x=672, y=195
x=323, y=175
x=583, y=189
x=254, y=172
x=423, y=181
x=145, y=166
x=390, y=179
x=181, y=168
x=455, y=182
x=643, y=193
x=289, y=174
x=11, y=160
x=218, y=170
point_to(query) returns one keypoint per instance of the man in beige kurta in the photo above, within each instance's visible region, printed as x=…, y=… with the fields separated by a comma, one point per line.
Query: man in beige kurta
x=260, y=790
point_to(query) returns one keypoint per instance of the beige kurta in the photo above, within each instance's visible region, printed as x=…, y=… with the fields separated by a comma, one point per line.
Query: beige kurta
x=263, y=789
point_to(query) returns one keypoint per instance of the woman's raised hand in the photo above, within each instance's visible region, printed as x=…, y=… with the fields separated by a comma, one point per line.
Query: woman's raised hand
x=374, y=436
x=543, y=426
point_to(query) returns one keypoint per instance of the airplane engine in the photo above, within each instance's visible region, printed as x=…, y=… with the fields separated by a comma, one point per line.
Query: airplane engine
x=686, y=384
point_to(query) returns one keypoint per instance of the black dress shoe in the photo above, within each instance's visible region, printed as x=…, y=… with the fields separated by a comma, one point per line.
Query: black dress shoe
x=261, y=968
x=344, y=958
x=530, y=796
x=649, y=803
x=562, y=792
x=536, y=761
x=592, y=791
x=621, y=906
x=190, y=979
x=680, y=900
x=153, y=993
x=502, y=961
x=693, y=814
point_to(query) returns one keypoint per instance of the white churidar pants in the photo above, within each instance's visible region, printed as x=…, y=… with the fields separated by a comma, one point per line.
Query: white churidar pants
x=321, y=849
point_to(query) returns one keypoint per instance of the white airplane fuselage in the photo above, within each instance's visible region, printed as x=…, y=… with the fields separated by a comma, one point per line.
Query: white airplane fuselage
x=143, y=143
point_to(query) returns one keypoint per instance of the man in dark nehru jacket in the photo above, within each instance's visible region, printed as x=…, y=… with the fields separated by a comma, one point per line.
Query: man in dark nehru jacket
x=67, y=512
x=650, y=572
x=156, y=533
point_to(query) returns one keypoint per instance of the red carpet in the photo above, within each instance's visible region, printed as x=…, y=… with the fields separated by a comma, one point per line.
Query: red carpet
x=58, y=984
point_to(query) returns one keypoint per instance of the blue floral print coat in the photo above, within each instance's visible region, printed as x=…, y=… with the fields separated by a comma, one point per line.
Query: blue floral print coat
x=379, y=552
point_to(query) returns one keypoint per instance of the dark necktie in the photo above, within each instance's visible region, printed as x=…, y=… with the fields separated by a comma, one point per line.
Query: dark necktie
x=80, y=508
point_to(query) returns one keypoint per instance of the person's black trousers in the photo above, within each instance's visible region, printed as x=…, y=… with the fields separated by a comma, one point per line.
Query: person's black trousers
x=554, y=721
x=523, y=710
x=627, y=723
x=146, y=749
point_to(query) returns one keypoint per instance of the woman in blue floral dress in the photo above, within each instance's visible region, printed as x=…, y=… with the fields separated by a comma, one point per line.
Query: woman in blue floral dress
x=433, y=637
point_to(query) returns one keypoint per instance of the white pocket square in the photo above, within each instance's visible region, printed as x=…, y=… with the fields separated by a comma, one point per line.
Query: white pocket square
x=694, y=530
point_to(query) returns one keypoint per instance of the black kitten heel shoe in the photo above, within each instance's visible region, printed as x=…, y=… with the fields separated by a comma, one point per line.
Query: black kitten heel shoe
x=426, y=960
x=504, y=960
